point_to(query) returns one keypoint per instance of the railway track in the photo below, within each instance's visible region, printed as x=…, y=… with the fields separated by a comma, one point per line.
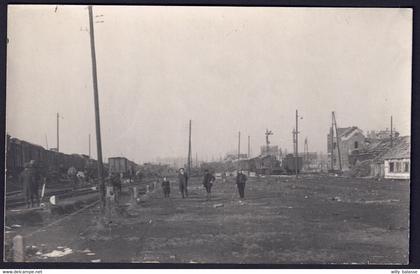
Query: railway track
x=18, y=200
x=15, y=199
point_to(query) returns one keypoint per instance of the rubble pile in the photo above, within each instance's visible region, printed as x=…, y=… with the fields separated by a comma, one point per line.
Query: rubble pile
x=373, y=153
x=361, y=169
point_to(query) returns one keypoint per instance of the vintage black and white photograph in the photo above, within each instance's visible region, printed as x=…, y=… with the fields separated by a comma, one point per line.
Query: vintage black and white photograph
x=208, y=135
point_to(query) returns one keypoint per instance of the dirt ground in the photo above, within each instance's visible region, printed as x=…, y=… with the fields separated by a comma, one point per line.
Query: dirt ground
x=316, y=220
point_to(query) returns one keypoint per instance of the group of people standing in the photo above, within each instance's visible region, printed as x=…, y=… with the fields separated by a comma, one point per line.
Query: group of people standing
x=208, y=180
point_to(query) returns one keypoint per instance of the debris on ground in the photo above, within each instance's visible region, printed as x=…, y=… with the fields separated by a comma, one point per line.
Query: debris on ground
x=96, y=261
x=381, y=201
x=361, y=169
x=338, y=199
x=16, y=226
x=133, y=238
x=218, y=205
x=31, y=250
x=91, y=254
x=58, y=253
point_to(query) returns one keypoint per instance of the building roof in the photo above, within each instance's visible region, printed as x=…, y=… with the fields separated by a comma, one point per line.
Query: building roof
x=344, y=131
x=401, y=149
x=348, y=132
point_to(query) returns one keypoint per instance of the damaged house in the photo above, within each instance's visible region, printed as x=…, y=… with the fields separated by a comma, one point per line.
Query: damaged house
x=351, y=139
x=383, y=158
x=397, y=160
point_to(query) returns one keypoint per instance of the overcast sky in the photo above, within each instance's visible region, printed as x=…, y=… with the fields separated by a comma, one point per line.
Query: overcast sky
x=228, y=69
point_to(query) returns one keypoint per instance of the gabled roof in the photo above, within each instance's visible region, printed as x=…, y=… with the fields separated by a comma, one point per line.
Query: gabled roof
x=401, y=149
x=347, y=132
x=344, y=131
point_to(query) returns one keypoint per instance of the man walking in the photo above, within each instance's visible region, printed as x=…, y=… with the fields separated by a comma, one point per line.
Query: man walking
x=240, y=182
x=29, y=180
x=183, y=181
x=208, y=180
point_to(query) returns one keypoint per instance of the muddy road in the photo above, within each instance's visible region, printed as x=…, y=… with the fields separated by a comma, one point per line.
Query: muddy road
x=317, y=220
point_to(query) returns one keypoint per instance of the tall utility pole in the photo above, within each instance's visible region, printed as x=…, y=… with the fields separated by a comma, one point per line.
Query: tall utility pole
x=306, y=152
x=249, y=147
x=189, y=152
x=96, y=101
x=89, y=146
x=239, y=147
x=338, y=140
x=392, y=141
x=46, y=141
x=332, y=143
x=297, y=142
x=58, y=132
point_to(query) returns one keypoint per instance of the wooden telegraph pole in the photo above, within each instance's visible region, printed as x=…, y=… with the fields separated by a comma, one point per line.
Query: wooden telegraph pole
x=249, y=147
x=296, y=140
x=58, y=132
x=392, y=140
x=239, y=148
x=96, y=101
x=189, y=152
x=332, y=143
x=338, y=140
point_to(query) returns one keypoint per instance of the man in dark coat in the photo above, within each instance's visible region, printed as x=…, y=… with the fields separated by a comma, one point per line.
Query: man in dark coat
x=30, y=181
x=183, y=181
x=240, y=182
x=166, y=187
x=208, y=180
x=115, y=179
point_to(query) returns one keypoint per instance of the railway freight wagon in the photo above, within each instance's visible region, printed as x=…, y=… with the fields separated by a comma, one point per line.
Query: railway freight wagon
x=267, y=165
x=121, y=165
x=19, y=152
x=289, y=163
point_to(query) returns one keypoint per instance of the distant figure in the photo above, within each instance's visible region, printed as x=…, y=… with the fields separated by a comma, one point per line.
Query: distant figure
x=166, y=187
x=81, y=177
x=208, y=180
x=116, y=185
x=72, y=173
x=224, y=177
x=240, y=182
x=183, y=181
x=30, y=181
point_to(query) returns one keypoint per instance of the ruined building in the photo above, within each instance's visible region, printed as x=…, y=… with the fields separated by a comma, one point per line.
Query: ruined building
x=351, y=139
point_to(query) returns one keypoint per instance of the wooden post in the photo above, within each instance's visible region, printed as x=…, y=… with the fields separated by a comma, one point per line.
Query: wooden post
x=239, y=148
x=392, y=140
x=249, y=147
x=332, y=143
x=96, y=101
x=297, y=150
x=135, y=193
x=58, y=132
x=338, y=141
x=18, y=249
x=189, y=152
